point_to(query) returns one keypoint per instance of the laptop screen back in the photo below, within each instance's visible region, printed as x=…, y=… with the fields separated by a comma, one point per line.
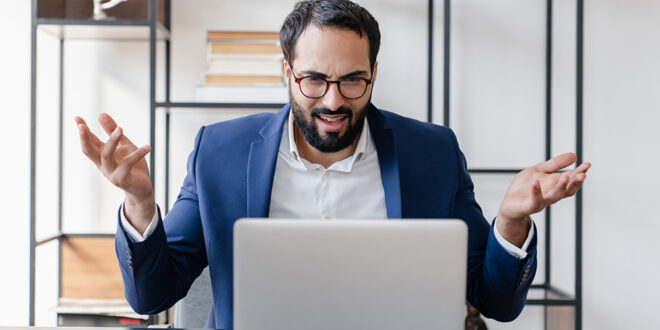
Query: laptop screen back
x=349, y=274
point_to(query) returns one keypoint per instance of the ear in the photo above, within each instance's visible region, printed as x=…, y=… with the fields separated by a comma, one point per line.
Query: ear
x=287, y=72
x=373, y=78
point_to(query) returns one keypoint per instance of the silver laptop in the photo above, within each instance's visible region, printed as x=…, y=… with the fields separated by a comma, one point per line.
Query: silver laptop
x=349, y=274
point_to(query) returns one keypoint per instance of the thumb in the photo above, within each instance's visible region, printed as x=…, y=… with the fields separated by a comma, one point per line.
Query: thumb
x=536, y=200
x=557, y=163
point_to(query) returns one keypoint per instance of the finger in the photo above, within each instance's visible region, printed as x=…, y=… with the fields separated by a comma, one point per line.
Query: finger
x=89, y=144
x=108, y=151
x=557, y=163
x=124, y=168
x=559, y=189
x=548, y=181
x=109, y=125
x=536, y=199
x=583, y=168
x=576, y=184
x=91, y=136
x=79, y=120
x=580, y=170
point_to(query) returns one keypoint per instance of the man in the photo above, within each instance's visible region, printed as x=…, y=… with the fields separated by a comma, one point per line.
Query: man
x=328, y=154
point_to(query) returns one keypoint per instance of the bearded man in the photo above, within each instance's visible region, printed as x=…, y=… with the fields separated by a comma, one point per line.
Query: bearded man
x=327, y=154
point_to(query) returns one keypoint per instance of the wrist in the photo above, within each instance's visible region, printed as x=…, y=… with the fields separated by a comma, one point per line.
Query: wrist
x=514, y=230
x=139, y=212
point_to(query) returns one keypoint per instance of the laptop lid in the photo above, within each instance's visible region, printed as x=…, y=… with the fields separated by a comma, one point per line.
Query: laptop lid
x=349, y=274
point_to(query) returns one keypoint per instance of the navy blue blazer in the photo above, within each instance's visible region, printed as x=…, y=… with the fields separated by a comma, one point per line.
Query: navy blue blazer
x=230, y=176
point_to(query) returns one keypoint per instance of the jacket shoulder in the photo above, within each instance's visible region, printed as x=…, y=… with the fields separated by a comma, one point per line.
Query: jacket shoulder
x=231, y=139
x=237, y=129
x=415, y=130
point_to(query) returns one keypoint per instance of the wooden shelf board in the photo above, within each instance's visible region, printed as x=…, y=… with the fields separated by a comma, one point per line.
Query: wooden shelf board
x=70, y=29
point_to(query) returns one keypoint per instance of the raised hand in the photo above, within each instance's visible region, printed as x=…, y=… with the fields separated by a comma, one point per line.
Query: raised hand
x=124, y=165
x=534, y=189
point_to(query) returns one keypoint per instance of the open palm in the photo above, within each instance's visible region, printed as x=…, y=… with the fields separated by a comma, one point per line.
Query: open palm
x=540, y=186
x=120, y=161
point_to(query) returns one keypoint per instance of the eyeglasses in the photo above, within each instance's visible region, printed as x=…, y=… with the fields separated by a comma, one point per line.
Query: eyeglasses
x=315, y=87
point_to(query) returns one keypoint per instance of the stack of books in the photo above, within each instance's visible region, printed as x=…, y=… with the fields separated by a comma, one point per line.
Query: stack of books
x=244, y=67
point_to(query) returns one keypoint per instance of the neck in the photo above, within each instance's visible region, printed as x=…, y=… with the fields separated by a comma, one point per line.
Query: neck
x=313, y=155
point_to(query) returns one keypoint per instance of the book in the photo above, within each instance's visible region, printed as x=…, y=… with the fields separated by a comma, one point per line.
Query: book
x=215, y=79
x=244, y=59
x=228, y=35
x=218, y=65
x=244, y=48
x=242, y=94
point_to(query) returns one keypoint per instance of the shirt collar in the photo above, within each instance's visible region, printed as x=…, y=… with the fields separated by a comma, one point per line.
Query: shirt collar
x=365, y=146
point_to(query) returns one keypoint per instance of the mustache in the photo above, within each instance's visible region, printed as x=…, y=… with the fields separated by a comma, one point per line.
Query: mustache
x=326, y=111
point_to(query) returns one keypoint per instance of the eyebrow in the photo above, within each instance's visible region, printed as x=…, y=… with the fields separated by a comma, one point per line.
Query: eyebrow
x=323, y=75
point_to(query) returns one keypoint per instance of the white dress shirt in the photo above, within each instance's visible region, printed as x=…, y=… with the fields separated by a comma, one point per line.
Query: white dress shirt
x=349, y=189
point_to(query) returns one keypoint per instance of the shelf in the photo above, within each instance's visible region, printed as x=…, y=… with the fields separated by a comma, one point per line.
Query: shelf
x=50, y=238
x=110, y=307
x=219, y=105
x=549, y=296
x=60, y=235
x=88, y=235
x=86, y=29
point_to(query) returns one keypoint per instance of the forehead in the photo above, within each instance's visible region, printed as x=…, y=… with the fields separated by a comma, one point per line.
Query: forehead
x=332, y=51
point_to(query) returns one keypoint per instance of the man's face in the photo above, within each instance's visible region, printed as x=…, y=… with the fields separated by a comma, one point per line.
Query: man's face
x=330, y=123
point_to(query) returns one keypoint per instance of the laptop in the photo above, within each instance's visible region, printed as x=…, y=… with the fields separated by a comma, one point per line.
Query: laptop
x=349, y=274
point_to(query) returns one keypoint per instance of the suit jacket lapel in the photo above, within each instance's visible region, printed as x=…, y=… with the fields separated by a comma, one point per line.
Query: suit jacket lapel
x=387, y=158
x=263, y=158
x=261, y=165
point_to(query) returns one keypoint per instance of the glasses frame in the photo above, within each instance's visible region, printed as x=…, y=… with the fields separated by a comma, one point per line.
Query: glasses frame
x=327, y=85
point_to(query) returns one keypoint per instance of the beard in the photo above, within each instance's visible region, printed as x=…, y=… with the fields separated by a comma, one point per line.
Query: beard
x=332, y=141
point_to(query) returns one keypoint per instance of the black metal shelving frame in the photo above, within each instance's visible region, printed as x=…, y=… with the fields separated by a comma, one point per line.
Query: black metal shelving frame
x=155, y=32
x=553, y=295
x=154, y=27
x=57, y=27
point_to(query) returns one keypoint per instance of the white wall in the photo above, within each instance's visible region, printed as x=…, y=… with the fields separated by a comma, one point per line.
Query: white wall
x=497, y=105
x=15, y=164
x=497, y=102
x=622, y=109
x=402, y=59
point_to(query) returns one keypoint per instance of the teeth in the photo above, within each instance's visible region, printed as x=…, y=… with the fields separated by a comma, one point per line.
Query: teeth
x=331, y=119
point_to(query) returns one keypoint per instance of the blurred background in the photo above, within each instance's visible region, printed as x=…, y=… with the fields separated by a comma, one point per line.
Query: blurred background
x=497, y=103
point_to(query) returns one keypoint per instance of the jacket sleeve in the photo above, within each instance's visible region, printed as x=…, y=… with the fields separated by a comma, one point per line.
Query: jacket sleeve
x=158, y=271
x=497, y=282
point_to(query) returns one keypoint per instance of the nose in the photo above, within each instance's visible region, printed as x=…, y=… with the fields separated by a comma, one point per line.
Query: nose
x=332, y=98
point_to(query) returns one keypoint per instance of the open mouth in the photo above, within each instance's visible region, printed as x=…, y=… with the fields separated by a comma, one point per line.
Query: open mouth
x=332, y=123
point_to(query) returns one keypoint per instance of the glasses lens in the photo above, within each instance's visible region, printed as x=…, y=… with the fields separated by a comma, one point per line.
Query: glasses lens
x=353, y=87
x=313, y=86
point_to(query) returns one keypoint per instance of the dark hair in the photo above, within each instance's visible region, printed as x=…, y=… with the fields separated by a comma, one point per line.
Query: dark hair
x=336, y=13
